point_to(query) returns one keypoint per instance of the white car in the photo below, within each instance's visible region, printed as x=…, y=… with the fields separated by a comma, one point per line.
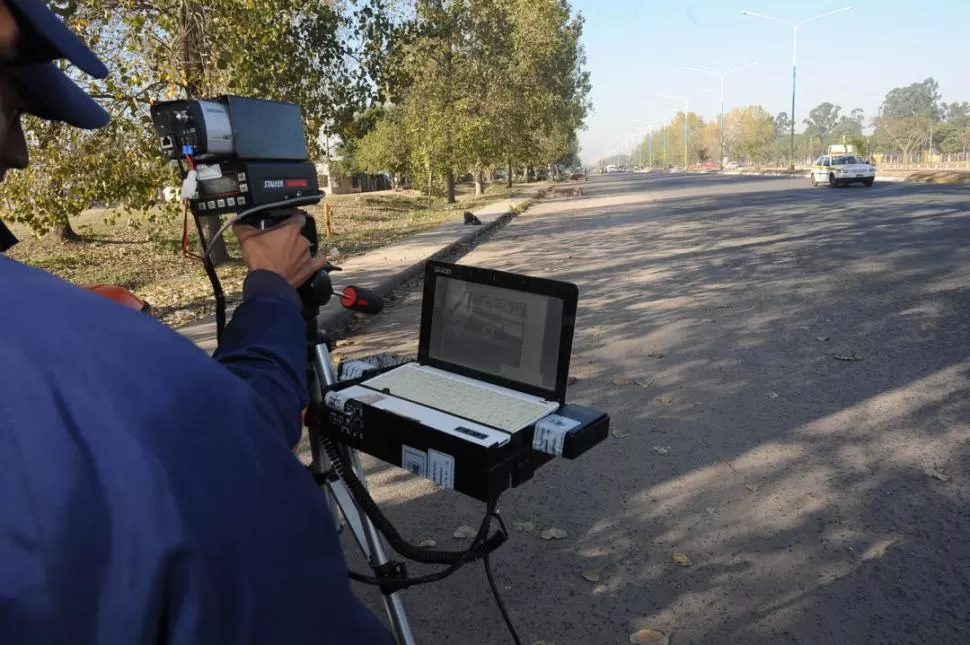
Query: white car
x=842, y=170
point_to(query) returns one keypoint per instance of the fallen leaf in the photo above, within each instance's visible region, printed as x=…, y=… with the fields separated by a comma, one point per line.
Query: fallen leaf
x=642, y=383
x=427, y=544
x=655, y=355
x=661, y=450
x=938, y=474
x=619, y=434
x=620, y=382
x=553, y=534
x=710, y=510
x=649, y=637
x=751, y=488
x=664, y=400
x=851, y=356
x=724, y=306
x=571, y=380
x=772, y=395
x=681, y=559
x=707, y=320
x=592, y=575
x=523, y=526
x=464, y=532
x=821, y=339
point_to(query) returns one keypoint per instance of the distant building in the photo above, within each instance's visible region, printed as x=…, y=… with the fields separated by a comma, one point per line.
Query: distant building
x=333, y=183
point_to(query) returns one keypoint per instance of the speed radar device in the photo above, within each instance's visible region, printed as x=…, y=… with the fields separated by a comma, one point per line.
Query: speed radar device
x=244, y=152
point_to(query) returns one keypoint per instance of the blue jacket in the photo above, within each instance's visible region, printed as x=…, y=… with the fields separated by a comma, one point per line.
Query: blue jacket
x=148, y=493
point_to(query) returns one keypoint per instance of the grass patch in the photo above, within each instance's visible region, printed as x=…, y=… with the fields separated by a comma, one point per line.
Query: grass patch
x=129, y=251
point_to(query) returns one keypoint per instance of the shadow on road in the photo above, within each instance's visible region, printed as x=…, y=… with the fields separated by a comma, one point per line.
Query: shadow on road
x=804, y=355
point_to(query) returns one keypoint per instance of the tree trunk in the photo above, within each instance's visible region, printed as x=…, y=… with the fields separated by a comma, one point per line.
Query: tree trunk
x=192, y=21
x=220, y=252
x=508, y=177
x=65, y=232
x=450, y=180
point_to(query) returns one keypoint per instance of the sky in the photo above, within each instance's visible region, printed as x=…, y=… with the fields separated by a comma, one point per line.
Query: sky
x=639, y=49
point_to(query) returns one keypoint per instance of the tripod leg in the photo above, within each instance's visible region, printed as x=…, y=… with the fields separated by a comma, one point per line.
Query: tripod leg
x=378, y=556
x=337, y=490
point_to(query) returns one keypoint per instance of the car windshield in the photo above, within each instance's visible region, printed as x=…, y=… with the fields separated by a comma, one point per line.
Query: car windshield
x=841, y=161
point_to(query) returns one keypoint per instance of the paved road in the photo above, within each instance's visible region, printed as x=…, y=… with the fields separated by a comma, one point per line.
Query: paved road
x=800, y=486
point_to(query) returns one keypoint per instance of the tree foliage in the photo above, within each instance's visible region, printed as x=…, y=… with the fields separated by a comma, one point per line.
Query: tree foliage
x=751, y=129
x=911, y=120
x=915, y=100
x=480, y=84
x=822, y=120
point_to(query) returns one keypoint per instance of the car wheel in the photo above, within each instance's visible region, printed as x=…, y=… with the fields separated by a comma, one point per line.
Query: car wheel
x=868, y=183
x=832, y=182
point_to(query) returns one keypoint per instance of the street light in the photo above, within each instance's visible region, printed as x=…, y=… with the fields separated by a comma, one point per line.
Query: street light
x=794, y=50
x=686, y=100
x=722, y=75
x=649, y=124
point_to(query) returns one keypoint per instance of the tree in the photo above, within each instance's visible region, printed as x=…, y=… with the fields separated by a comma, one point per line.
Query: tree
x=782, y=125
x=483, y=83
x=697, y=150
x=909, y=116
x=749, y=130
x=850, y=125
x=822, y=120
x=385, y=147
x=914, y=100
x=958, y=113
x=905, y=134
x=954, y=134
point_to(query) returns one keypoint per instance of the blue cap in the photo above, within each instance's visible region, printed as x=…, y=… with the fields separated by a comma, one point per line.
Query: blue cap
x=49, y=92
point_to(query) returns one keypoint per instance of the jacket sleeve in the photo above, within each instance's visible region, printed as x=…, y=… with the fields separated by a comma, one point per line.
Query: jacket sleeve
x=265, y=345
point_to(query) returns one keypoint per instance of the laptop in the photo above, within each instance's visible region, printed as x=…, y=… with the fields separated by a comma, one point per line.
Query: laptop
x=493, y=354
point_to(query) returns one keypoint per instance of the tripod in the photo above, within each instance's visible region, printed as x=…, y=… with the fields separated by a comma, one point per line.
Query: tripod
x=322, y=374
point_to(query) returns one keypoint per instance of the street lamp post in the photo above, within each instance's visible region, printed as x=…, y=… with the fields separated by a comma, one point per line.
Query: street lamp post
x=686, y=101
x=649, y=124
x=794, y=49
x=665, y=140
x=650, y=146
x=722, y=75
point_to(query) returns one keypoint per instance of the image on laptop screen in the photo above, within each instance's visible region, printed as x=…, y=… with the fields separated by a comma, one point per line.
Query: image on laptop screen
x=503, y=332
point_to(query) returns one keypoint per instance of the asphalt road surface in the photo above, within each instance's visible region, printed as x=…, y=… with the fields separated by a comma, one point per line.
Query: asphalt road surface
x=800, y=357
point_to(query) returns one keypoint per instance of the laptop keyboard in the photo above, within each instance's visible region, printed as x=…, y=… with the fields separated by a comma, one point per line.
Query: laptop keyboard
x=480, y=404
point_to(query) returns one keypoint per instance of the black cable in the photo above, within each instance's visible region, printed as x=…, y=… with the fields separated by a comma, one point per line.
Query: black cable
x=494, y=587
x=472, y=553
x=410, y=551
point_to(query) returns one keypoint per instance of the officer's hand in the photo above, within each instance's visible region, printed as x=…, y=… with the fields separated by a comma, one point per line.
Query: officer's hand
x=280, y=249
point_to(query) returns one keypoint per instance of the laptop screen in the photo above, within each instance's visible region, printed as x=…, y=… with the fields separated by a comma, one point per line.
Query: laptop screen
x=511, y=334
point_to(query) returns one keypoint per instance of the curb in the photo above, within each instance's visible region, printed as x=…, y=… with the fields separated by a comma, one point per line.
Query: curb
x=335, y=321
